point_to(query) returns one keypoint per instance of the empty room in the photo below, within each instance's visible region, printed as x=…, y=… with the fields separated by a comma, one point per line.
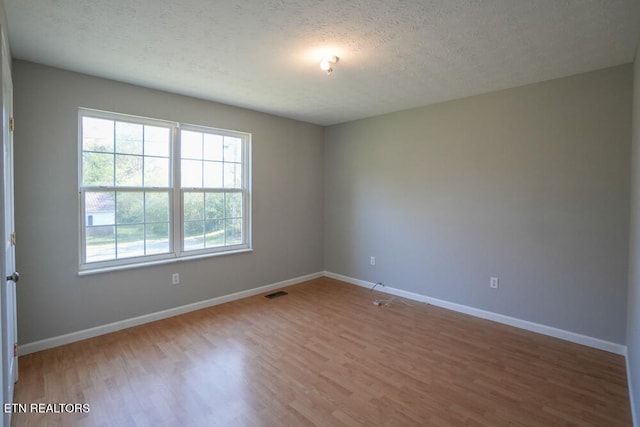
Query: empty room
x=331, y=213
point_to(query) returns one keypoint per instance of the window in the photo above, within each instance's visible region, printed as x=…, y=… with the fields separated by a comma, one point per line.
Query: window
x=152, y=190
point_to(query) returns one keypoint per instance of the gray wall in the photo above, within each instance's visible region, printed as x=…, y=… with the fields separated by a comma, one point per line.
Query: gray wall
x=529, y=184
x=633, y=308
x=53, y=299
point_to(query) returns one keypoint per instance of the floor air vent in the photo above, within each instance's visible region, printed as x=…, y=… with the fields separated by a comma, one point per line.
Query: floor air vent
x=276, y=294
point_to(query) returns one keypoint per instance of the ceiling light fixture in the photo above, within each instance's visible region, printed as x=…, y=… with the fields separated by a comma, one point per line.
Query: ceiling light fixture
x=328, y=63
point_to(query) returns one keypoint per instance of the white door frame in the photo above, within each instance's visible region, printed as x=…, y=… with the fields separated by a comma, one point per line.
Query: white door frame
x=8, y=329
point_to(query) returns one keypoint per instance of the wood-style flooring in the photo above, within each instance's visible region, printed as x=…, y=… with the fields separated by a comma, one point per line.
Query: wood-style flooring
x=325, y=355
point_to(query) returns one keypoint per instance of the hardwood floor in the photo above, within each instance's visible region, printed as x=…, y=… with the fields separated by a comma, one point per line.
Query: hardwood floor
x=325, y=355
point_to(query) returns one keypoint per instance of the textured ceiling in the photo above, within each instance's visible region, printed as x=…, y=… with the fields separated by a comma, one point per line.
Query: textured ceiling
x=265, y=55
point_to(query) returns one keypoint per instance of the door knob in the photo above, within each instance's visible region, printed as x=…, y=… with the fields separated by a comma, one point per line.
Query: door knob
x=15, y=277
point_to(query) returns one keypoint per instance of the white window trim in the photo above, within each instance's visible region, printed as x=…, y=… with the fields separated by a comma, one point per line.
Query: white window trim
x=176, y=242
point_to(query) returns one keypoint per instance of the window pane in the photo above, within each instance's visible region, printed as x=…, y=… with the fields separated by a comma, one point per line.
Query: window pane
x=156, y=207
x=97, y=169
x=100, y=243
x=130, y=207
x=97, y=134
x=193, y=235
x=156, y=141
x=157, y=238
x=190, y=145
x=130, y=240
x=232, y=149
x=213, y=174
x=156, y=172
x=214, y=206
x=214, y=233
x=193, y=206
x=233, y=231
x=128, y=138
x=191, y=173
x=232, y=175
x=234, y=205
x=212, y=147
x=128, y=171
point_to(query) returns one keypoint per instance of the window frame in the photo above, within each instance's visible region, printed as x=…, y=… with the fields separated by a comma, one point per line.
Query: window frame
x=246, y=202
x=175, y=191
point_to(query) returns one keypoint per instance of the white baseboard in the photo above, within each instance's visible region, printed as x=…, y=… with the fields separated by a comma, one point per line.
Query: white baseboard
x=128, y=323
x=634, y=418
x=151, y=317
x=500, y=318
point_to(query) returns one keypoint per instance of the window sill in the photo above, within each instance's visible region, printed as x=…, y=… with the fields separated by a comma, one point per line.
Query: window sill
x=90, y=271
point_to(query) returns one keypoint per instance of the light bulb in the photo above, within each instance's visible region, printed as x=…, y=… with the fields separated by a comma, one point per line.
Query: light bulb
x=327, y=63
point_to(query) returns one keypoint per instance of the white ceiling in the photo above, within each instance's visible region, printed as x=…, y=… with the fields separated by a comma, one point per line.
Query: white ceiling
x=265, y=54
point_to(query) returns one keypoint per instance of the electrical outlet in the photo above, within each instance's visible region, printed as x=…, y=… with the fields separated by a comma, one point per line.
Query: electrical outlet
x=175, y=278
x=493, y=283
x=372, y=260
